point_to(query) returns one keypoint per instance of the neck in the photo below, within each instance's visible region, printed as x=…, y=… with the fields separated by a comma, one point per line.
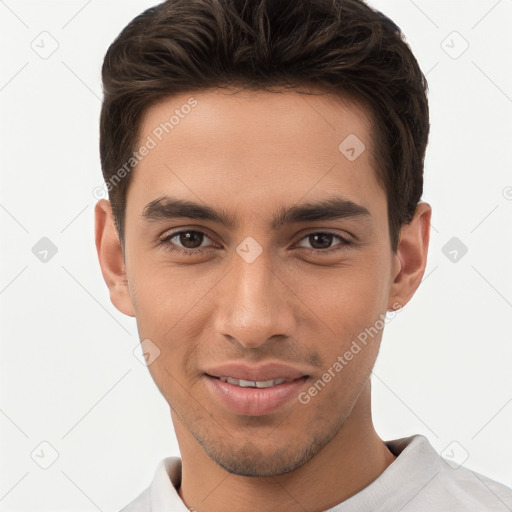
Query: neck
x=353, y=459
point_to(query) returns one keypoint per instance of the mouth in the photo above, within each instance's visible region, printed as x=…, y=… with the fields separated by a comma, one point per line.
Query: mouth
x=260, y=384
x=254, y=391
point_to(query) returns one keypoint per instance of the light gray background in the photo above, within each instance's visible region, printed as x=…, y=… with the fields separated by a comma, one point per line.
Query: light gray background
x=69, y=377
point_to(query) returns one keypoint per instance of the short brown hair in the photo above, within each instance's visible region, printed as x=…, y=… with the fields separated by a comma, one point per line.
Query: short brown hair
x=343, y=46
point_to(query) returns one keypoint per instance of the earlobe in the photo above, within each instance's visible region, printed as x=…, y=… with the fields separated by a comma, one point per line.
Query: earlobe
x=411, y=257
x=111, y=258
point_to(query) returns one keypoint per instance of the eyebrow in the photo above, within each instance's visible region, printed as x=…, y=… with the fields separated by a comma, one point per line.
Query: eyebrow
x=167, y=208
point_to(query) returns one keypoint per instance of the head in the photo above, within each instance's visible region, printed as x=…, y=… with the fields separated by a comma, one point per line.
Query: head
x=264, y=162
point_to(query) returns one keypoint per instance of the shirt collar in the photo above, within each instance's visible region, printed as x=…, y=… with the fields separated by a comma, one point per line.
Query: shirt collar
x=167, y=479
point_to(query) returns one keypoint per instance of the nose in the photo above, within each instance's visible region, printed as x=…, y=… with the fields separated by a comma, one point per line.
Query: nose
x=254, y=303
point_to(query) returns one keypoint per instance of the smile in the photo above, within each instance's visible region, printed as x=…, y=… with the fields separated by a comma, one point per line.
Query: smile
x=254, y=397
x=252, y=383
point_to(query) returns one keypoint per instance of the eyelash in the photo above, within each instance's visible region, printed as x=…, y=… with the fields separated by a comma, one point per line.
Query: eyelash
x=166, y=241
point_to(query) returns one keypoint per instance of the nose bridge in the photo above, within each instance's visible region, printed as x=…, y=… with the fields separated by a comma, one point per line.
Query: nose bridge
x=253, y=306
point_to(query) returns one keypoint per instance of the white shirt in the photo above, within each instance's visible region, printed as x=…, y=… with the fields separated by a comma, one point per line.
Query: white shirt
x=418, y=480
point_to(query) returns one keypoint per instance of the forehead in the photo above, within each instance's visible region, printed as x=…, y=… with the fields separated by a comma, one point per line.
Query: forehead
x=255, y=149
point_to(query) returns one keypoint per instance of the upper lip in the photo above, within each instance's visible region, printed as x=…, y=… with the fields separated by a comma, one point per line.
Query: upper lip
x=261, y=372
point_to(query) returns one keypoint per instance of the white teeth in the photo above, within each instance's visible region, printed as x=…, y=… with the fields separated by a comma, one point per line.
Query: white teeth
x=245, y=383
x=268, y=383
x=252, y=383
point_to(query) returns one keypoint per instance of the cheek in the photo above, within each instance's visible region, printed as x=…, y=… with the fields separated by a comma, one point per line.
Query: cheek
x=352, y=310
x=166, y=294
x=350, y=307
x=347, y=299
x=167, y=303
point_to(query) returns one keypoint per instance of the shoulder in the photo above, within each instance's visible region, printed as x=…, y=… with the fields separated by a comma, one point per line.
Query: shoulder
x=468, y=490
x=162, y=493
x=429, y=482
x=142, y=503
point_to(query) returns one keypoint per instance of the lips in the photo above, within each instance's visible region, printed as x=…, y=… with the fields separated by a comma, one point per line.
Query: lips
x=254, y=390
x=256, y=373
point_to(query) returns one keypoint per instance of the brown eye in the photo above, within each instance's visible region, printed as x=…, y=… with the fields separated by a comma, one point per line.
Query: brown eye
x=189, y=242
x=323, y=242
x=190, y=239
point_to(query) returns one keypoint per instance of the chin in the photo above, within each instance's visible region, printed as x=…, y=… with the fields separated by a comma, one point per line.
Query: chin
x=251, y=460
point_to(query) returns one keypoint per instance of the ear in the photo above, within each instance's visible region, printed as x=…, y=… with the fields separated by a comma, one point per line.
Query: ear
x=111, y=258
x=410, y=258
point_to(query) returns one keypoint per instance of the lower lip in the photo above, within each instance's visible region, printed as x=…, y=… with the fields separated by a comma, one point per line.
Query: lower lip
x=254, y=401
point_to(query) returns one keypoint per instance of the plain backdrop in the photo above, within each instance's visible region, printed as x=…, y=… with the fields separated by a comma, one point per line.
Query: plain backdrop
x=82, y=425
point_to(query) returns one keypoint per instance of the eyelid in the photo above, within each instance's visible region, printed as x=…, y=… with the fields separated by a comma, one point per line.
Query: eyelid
x=328, y=231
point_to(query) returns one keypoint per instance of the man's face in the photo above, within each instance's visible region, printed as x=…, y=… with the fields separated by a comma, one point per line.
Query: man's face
x=258, y=293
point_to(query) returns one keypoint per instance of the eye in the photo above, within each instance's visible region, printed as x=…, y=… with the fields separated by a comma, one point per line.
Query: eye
x=191, y=242
x=187, y=242
x=321, y=242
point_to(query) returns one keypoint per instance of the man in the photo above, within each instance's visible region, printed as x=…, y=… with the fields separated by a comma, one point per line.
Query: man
x=264, y=162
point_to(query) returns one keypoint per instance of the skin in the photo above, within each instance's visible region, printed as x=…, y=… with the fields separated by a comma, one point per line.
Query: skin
x=251, y=154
